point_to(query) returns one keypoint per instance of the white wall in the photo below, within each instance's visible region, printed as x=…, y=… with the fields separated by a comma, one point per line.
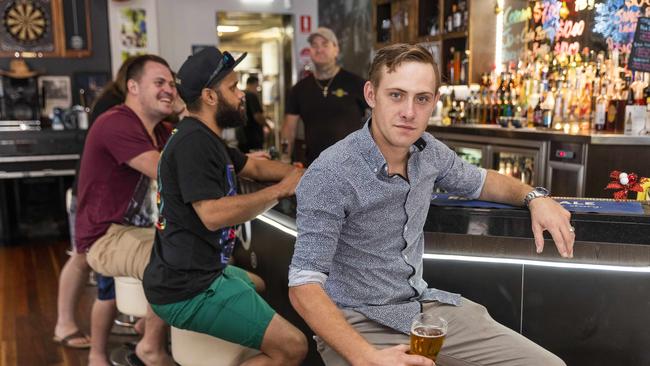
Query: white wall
x=182, y=24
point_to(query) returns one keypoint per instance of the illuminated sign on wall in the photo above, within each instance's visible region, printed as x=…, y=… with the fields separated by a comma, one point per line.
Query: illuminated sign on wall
x=569, y=27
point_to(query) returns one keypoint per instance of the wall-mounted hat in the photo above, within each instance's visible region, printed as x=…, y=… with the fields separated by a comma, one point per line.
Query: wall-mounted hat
x=18, y=69
x=203, y=69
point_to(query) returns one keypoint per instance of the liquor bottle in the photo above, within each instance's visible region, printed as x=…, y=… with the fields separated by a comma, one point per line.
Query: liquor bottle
x=625, y=96
x=601, y=109
x=506, y=105
x=628, y=124
x=537, y=113
x=450, y=22
x=461, y=115
x=528, y=174
x=516, y=168
x=446, y=107
x=463, y=8
x=610, y=121
x=496, y=108
x=473, y=106
x=457, y=18
x=531, y=108
x=635, y=110
x=450, y=65
x=483, y=100
x=464, y=69
x=508, y=169
x=547, y=110
x=637, y=88
x=584, y=111
x=558, y=116
x=456, y=67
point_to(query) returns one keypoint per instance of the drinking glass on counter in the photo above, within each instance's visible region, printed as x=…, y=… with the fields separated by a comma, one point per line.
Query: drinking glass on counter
x=427, y=335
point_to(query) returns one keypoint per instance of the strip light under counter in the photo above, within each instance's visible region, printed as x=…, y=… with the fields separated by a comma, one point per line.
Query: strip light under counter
x=464, y=258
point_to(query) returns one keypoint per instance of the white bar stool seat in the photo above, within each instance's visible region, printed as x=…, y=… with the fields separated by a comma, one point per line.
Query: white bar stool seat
x=197, y=349
x=130, y=300
x=129, y=296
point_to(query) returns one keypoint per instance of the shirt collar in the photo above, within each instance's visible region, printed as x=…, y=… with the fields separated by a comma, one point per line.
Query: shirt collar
x=370, y=151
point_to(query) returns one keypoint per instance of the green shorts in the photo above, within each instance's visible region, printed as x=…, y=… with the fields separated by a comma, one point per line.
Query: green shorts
x=229, y=309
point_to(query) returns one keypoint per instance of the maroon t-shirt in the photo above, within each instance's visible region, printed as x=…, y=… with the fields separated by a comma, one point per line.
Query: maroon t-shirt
x=109, y=190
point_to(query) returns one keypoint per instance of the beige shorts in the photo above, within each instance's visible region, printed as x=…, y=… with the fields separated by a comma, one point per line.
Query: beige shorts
x=123, y=251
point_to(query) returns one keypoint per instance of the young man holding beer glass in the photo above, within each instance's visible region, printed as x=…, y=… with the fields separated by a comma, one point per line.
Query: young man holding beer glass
x=356, y=273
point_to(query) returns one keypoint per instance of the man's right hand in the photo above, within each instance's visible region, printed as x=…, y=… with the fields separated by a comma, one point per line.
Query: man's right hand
x=396, y=356
x=288, y=184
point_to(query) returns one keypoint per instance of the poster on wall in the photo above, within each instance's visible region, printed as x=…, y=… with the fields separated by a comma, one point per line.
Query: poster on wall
x=133, y=29
x=56, y=92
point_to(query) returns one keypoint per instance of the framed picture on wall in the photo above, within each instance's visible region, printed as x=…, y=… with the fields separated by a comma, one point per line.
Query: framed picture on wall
x=133, y=29
x=27, y=26
x=55, y=91
x=45, y=28
x=88, y=86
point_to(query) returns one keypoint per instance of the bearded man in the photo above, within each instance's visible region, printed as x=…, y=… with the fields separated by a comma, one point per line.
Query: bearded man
x=188, y=281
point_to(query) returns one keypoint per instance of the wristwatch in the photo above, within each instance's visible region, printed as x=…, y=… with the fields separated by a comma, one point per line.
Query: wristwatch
x=536, y=193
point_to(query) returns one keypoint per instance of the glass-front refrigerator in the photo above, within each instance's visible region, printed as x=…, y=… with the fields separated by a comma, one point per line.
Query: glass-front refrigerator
x=471, y=153
x=522, y=159
x=526, y=165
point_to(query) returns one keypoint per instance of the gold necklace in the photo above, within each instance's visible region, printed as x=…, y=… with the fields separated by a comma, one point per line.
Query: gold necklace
x=326, y=87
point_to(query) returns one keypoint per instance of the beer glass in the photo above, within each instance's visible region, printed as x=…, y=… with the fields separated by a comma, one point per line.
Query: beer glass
x=427, y=334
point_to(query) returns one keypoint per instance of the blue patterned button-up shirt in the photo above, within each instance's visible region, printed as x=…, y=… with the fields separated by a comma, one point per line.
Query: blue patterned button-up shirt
x=360, y=230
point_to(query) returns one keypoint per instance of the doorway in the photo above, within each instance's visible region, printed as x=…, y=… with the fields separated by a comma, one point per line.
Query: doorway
x=268, y=39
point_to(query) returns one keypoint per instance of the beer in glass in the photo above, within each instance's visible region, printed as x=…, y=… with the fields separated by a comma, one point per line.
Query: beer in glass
x=427, y=334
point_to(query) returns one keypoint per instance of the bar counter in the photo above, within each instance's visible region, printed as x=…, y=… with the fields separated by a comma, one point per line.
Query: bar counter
x=570, y=165
x=36, y=168
x=591, y=309
x=543, y=134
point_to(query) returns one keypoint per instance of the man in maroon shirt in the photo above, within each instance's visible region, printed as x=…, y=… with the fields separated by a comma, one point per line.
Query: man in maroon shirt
x=118, y=171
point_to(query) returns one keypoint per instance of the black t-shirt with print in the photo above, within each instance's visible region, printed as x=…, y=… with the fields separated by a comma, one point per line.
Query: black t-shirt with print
x=195, y=165
x=330, y=118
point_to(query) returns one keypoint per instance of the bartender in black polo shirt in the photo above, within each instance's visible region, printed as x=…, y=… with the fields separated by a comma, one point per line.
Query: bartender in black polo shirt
x=330, y=102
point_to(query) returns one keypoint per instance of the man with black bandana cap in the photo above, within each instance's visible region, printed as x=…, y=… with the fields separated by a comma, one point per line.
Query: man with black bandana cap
x=188, y=281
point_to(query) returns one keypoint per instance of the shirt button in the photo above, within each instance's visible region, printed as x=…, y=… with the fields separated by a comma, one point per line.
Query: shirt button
x=375, y=170
x=405, y=257
x=406, y=228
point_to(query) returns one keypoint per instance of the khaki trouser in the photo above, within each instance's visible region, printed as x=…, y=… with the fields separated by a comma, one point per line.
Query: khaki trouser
x=123, y=251
x=473, y=339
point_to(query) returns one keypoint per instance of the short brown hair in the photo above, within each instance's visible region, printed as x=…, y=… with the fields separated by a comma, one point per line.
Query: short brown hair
x=136, y=67
x=395, y=54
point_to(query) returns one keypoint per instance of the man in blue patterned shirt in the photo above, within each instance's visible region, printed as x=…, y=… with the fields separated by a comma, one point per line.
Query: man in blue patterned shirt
x=356, y=273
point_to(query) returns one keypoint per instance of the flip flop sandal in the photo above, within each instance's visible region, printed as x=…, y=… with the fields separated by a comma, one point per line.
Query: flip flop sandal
x=133, y=360
x=65, y=341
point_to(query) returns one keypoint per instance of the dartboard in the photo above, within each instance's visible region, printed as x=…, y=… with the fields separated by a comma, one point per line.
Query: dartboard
x=25, y=21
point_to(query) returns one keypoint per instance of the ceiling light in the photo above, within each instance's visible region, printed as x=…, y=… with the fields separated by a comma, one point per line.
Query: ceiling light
x=227, y=28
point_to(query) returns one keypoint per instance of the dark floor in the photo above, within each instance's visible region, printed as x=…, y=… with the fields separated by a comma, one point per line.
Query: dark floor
x=29, y=276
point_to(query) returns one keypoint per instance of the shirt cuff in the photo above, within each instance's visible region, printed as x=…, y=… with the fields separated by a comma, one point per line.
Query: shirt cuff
x=477, y=192
x=299, y=277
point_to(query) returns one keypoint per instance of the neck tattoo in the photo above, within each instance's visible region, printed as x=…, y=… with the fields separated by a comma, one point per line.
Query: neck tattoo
x=325, y=88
